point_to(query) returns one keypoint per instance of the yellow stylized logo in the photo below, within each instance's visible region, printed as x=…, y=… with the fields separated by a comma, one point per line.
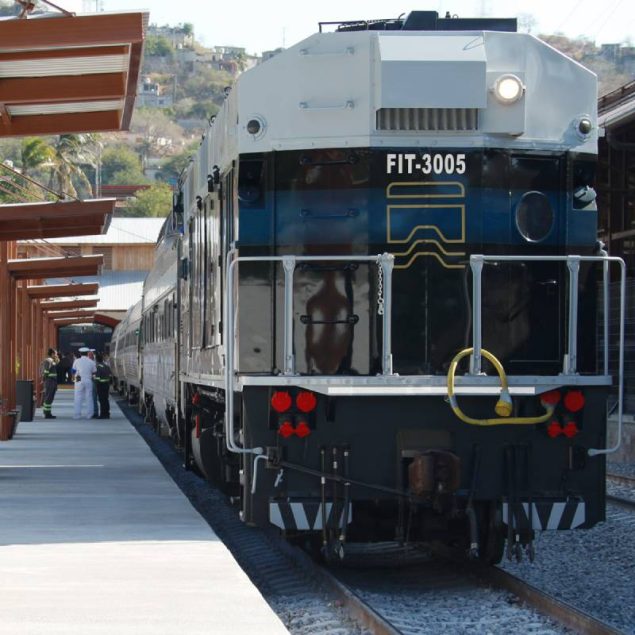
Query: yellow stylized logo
x=417, y=211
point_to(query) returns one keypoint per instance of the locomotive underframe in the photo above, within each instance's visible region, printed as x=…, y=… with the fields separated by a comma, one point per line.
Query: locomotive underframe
x=349, y=479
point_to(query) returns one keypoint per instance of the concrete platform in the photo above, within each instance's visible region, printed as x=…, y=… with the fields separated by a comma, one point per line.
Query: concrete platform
x=95, y=537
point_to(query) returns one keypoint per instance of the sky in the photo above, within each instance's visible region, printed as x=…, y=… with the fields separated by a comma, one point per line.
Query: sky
x=260, y=25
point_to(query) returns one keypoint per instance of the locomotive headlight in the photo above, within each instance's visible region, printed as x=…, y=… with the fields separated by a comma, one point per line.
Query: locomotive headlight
x=508, y=89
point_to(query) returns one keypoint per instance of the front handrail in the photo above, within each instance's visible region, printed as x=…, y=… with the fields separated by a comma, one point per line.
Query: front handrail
x=569, y=363
x=386, y=263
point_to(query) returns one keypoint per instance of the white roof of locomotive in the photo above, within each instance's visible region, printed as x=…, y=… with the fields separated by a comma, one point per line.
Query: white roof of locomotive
x=325, y=92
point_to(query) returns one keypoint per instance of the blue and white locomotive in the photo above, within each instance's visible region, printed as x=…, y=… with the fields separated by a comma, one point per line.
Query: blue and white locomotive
x=388, y=227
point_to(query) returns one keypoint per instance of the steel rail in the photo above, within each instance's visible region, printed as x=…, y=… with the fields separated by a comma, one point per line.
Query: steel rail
x=621, y=479
x=620, y=501
x=358, y=609
x=565, y=614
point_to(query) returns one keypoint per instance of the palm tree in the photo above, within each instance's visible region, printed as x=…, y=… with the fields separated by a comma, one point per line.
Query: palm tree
x=34, y=153
x=71, y=151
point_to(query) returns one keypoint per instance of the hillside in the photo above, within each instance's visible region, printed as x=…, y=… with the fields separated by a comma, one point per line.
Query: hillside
x=182, y=84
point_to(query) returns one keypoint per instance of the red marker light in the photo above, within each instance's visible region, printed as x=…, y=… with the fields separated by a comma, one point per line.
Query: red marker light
x=550, y=398
x=286, y=430
x=554, y=430
x=306, y=401
x=302, y=429
x=574, y=401
x=281, y=401
x=196, y=398
x=570, y=430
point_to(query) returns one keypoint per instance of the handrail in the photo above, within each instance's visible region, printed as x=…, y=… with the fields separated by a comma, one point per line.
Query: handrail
x=385, y=262
x=569, y=365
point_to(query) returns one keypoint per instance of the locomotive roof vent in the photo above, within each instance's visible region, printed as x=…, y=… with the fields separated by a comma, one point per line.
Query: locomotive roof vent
x=427, y=119
x=426, y=21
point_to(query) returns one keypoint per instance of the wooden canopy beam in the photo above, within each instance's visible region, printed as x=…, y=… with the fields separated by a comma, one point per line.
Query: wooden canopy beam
x=55, y=315
x=93, y=30
x=68, y=305
x=51, y=54
x=40, y=268
x=106, y=320
x=51, y=211
x=51, y=223
x=64, y=123
x=33, y=234
x=62, y=290
x=69, y=321
x=62, y=88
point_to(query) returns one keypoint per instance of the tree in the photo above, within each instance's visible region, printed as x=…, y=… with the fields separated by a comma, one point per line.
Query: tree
x=34, y=153
x=128, y=177
x=156, y=130
x=155, y=201
x=171, y=168
x=158, y=45
x=71, y=151
x=122, y=162
x=203, y=110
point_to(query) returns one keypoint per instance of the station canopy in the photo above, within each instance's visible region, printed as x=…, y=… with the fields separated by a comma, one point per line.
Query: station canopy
x=71, y=266
x=52, y=219
x=71, y=290
x=69, y=74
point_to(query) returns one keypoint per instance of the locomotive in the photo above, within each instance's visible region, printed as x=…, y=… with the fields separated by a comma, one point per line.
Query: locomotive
x=388, y=226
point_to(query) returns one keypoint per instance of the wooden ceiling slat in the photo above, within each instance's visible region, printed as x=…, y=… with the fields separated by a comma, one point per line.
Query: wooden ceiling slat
x=62, y=88
x=103, y=29
x=81, y=51
x=63, y=123
x=62, y=290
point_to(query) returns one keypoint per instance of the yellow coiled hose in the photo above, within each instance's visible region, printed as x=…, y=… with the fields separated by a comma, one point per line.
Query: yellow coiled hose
x=503, y=406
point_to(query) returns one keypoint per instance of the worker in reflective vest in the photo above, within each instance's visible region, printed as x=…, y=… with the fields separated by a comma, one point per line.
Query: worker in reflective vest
x=102, y=383
x=49, y=378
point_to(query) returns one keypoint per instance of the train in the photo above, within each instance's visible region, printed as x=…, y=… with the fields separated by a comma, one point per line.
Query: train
x=373, y=310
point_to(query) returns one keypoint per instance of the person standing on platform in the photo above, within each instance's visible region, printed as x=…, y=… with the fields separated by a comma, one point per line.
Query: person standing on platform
x=91, y=355
x=49, y=378
x=84, y=370
x=102, y=382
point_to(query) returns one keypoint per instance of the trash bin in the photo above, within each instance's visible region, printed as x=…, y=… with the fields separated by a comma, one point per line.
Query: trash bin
x=24, y=398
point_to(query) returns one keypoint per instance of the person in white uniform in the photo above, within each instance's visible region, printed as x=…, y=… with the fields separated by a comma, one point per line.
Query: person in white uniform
x=84, y=369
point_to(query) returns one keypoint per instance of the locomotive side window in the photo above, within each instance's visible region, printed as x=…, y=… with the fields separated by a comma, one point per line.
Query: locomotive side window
x=535, y=183
x=250, y=178
x=534, y=216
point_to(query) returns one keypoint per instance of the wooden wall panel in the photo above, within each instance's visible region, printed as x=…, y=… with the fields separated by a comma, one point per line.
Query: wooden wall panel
x=133, y=257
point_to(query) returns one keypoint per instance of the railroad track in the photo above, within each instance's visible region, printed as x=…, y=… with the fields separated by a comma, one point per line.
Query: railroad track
x=623, y=494
x=621, y=501
x=621, y=479
x=409, y=586
x=446, y=596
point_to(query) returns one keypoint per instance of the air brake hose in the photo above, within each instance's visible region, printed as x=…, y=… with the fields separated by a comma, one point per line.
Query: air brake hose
x=503, y=406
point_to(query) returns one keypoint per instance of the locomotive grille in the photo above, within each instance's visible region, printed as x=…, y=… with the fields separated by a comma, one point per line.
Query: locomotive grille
x=422, y=119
